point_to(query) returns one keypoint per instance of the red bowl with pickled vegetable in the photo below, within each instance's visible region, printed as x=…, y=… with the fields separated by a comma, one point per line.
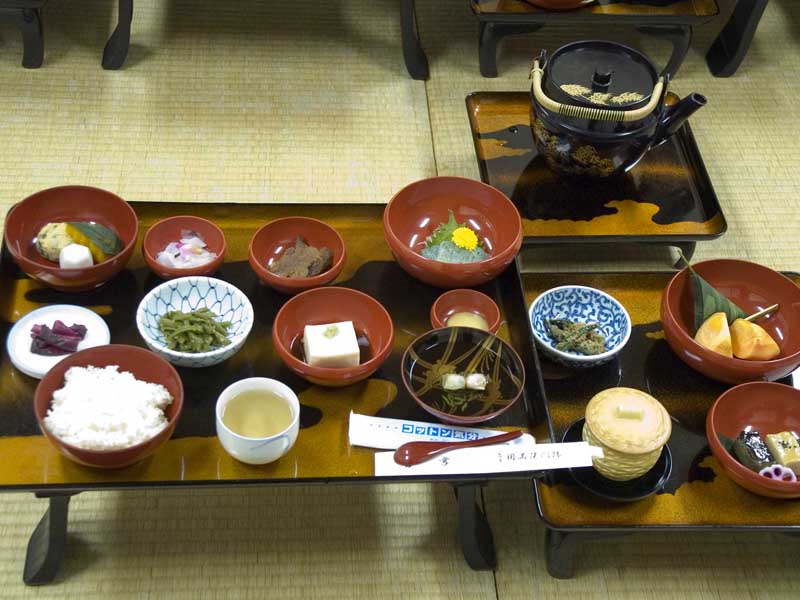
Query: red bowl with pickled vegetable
x=169, y=230
x=766, y=407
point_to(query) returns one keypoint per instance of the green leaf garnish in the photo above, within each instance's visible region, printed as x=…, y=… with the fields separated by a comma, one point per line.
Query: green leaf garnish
x=708, y=301
x=443, y=232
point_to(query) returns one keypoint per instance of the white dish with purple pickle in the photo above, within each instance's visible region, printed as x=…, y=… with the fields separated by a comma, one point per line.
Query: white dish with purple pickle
x=45, y=336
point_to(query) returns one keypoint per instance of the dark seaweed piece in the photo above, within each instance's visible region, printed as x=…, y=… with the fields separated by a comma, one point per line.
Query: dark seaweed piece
x=750, y=450
x=58, y=340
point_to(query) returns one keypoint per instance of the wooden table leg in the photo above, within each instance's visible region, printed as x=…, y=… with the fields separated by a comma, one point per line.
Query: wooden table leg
x=30, y=25
x=731, y=46
x=116, y=50
x=490, y=36
x=681, y=38
x=559, y=551
x=474, y=533
x=48, y=541
x=414, y=55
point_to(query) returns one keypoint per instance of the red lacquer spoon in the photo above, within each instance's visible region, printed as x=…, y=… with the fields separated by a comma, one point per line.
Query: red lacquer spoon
x=414, y=453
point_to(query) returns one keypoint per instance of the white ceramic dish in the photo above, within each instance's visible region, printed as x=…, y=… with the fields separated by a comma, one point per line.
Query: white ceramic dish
x=258, y=451
x=18, y=343
x=191, y=293
x=585, y=304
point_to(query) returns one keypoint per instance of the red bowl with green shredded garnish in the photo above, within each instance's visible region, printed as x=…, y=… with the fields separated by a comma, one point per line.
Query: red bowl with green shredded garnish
x=420, y=213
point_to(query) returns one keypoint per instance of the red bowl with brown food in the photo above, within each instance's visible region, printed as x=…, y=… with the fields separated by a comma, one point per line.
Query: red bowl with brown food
x=173, y=230
x=295, y=254
x=462, y=306
x=144, y=366
x=490, y=222
x=752, y=287
x=109, y=221
x=372, y=326
x=763, y=409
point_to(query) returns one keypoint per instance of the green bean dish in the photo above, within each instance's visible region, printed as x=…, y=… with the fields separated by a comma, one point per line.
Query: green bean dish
x=195, y=331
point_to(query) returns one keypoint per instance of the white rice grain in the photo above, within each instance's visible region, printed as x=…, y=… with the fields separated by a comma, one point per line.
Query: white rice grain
x=103, y=409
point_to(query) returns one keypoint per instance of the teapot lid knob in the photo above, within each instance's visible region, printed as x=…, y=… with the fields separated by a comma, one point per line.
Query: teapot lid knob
x=601, y=80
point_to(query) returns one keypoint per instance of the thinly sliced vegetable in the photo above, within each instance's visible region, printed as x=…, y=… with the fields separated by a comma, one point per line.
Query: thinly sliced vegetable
x=196, y=331
x=708, y=301
x=778, y=472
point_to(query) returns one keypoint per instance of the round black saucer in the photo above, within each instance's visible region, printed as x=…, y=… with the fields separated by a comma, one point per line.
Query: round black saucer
x=619, y=491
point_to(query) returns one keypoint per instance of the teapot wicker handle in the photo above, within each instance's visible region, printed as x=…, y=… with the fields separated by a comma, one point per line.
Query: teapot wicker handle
x=585, y=112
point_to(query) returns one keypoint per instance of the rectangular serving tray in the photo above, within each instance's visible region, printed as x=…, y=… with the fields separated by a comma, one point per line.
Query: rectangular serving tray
x=666, y=198
x=698, y=493
x=194, y=456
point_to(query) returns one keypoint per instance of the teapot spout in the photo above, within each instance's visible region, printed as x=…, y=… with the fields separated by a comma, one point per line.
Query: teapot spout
x=675, y=116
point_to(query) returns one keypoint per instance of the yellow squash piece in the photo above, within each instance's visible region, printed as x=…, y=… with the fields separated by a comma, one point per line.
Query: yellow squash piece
x=715, y=335
x=751, y=342
x=79, y=238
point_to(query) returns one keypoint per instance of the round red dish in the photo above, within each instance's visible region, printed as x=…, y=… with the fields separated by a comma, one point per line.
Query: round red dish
x=768, y=408
x=169, y=230
x=465, y=300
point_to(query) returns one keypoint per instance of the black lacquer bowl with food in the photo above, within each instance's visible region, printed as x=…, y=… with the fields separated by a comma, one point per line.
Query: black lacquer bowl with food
x=462, y=375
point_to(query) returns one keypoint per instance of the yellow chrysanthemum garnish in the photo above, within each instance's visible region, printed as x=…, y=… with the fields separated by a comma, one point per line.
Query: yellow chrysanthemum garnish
x=464, y=237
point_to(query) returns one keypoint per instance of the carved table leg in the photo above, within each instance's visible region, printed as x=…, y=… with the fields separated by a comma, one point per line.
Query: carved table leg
x=414, y=55
x=116, y=50
x=490, y=36
x=47, y=543
x=29, y=22
x=474, y=532
x=681, y=38
x=559, y=550
x=731, y=46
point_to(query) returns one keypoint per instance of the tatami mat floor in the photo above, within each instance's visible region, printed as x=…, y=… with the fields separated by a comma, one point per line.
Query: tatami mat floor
x=309, y=102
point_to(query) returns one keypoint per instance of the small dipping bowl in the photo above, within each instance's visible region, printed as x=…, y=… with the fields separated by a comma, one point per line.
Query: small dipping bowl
x=451, y=350
x=258, y=451
x=465, y=300
x=586, y=305
x=271, y=241
x=766, y=407
x=333, y=305
x=168, y=230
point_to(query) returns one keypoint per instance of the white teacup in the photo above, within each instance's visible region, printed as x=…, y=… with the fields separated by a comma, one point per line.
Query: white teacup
x=258, y=451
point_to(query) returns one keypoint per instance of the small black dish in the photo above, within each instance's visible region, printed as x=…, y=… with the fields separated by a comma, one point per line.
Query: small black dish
x=619, y=491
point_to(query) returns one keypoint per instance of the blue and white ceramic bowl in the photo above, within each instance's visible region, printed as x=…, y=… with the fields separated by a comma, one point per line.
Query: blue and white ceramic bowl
x=585, y=304
x=191, y=293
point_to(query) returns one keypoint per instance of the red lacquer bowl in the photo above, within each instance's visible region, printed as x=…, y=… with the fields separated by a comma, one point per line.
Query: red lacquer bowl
x=752, y=287
x=768, y=408
x=144, y=365
x=69, y=203
x=169, y=230
x=333, y=305
x=272, y=240
x=465, y=300
x=417, y=209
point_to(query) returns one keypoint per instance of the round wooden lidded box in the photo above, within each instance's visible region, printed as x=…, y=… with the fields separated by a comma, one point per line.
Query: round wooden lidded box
x=631, y=427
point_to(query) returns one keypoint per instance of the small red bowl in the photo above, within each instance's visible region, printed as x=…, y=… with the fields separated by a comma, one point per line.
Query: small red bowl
x=752, y=287
x=272, y=240
x=768, y=408
x=333, y=305
x=465, y=300
x=69, y=203
x=416, y=210
x=168, y=230
x=144, y=365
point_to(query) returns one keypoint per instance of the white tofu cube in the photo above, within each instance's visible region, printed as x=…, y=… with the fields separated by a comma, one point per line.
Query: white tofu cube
x=75, y=256
x=333, y=345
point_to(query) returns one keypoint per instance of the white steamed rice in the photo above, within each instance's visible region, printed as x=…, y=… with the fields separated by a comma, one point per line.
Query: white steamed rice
x=103, y=409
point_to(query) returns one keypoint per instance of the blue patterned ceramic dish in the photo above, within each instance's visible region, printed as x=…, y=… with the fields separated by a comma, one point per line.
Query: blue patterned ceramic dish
x=191, y=293
x=585, y=304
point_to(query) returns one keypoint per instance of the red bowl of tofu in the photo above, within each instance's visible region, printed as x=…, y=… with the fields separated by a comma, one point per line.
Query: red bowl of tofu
x=324, y=354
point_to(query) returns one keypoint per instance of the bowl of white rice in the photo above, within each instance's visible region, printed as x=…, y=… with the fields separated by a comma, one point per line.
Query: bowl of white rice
x=109, y=406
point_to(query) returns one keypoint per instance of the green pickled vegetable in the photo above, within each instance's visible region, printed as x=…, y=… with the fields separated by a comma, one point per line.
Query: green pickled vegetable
x=196, y=331
x=574, y=336
x=708, y=301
